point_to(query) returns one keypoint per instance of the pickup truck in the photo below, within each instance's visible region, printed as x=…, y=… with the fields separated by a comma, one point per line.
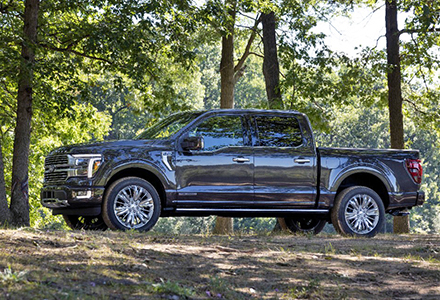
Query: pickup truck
x=231, y=163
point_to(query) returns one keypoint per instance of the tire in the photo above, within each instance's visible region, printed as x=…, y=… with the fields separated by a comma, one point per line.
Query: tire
x=305, y=224
x=85, y=222
x=358, y=211
x=131, y=203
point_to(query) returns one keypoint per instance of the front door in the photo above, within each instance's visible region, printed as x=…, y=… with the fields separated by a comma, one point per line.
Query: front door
x=220, y=174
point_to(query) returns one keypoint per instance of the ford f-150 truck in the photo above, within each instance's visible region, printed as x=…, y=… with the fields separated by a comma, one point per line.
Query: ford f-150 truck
x=234, y=163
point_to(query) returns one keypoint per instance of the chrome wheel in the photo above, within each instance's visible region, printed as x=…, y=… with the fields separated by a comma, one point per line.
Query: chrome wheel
x=362, y=214
x=133, y=206
x=358, y=211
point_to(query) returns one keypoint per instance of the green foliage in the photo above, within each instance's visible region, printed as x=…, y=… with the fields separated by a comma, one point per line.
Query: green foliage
x=254, y=225
x=174, y=288
x=185, y=225
x=11, y=276
x=80, y=124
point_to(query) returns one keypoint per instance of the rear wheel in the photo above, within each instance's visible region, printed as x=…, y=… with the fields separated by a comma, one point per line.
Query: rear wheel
x=85, y=222
x=305, y=224
x=131, y=203
x=358, y=211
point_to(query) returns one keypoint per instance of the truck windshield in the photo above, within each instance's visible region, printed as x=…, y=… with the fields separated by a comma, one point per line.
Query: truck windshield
x=168, y=126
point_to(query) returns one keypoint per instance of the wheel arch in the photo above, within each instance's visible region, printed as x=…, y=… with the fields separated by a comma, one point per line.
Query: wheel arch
x=145, y=174
x=368, y=180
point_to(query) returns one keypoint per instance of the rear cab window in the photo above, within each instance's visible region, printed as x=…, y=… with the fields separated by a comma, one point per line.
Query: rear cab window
x=278, y=131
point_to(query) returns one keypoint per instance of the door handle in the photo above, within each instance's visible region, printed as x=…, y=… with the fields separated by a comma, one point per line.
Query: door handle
x=240, y=159
x=301, y=160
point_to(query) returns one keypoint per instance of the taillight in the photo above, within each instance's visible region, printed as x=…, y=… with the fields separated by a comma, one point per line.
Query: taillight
x=415, y=169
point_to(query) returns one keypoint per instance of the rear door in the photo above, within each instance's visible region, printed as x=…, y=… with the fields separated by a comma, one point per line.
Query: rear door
x=220, y=174
x=285, y=163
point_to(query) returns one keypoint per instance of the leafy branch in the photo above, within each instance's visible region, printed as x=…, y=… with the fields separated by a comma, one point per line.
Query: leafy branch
x=239, y=68
x=70, y=50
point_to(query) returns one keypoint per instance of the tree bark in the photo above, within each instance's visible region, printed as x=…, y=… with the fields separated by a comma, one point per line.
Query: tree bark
x=20, y=163
x=394, y=76
x=400, y=223
x=227, y=59
x=223, y=226
x=4, y=208
x=271, y=68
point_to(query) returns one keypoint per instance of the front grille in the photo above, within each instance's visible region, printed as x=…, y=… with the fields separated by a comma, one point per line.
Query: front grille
x=55, y=168
x=55, y=177
x=56, y=160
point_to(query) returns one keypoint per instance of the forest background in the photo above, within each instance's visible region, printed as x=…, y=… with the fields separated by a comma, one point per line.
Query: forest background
x=107, y=69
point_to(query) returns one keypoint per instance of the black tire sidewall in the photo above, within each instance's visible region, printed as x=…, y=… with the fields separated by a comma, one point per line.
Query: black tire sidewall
x=74, y=223
x=293, y=226
x=110, y=197
x=338, y=211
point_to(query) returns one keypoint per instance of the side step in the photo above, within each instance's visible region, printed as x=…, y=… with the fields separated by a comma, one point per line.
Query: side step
x=244, y=212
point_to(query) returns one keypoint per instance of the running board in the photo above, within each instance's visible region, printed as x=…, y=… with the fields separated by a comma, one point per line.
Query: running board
x=243, y=212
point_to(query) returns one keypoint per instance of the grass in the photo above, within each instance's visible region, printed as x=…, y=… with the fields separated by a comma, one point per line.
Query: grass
x=54, y=264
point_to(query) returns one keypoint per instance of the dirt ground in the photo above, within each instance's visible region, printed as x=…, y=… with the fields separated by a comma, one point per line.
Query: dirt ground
x=128, y=265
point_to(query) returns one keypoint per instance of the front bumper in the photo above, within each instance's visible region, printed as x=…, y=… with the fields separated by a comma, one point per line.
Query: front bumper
x=79, y=200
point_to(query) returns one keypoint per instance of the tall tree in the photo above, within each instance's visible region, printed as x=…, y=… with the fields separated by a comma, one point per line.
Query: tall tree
x=394, y=79
x=19, y=207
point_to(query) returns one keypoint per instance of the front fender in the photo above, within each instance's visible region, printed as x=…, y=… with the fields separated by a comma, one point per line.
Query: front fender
x=164, y=175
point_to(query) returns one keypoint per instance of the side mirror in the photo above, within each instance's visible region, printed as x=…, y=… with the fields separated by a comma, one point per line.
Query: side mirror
x=193, y=143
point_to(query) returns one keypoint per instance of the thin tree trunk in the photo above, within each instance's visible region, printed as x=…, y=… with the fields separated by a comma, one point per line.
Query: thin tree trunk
x=19, y=193
x=271, y=68
x=227, y=70
x=4, y=208
x=400, y=224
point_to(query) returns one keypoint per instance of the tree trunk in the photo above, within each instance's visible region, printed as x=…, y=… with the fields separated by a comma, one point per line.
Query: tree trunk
x=227, y=61
x=225, y=225
x=4, y=208
x=394, y=76
x=19, y=193
x=401, y=223
x=271, y=68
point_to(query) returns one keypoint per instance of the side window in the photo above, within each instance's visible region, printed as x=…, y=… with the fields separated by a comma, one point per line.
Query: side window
x=220, y=131
x=279, y=131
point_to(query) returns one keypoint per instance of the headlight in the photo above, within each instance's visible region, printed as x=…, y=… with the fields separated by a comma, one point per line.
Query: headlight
x=85, y=164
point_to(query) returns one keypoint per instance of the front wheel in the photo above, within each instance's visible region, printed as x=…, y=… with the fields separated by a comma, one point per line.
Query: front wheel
x=358, y=211
x=131, y=203
x=85, y=222
x=305, y=224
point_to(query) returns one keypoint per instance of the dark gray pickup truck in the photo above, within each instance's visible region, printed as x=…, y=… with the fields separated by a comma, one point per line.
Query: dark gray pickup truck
x=235, y=163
